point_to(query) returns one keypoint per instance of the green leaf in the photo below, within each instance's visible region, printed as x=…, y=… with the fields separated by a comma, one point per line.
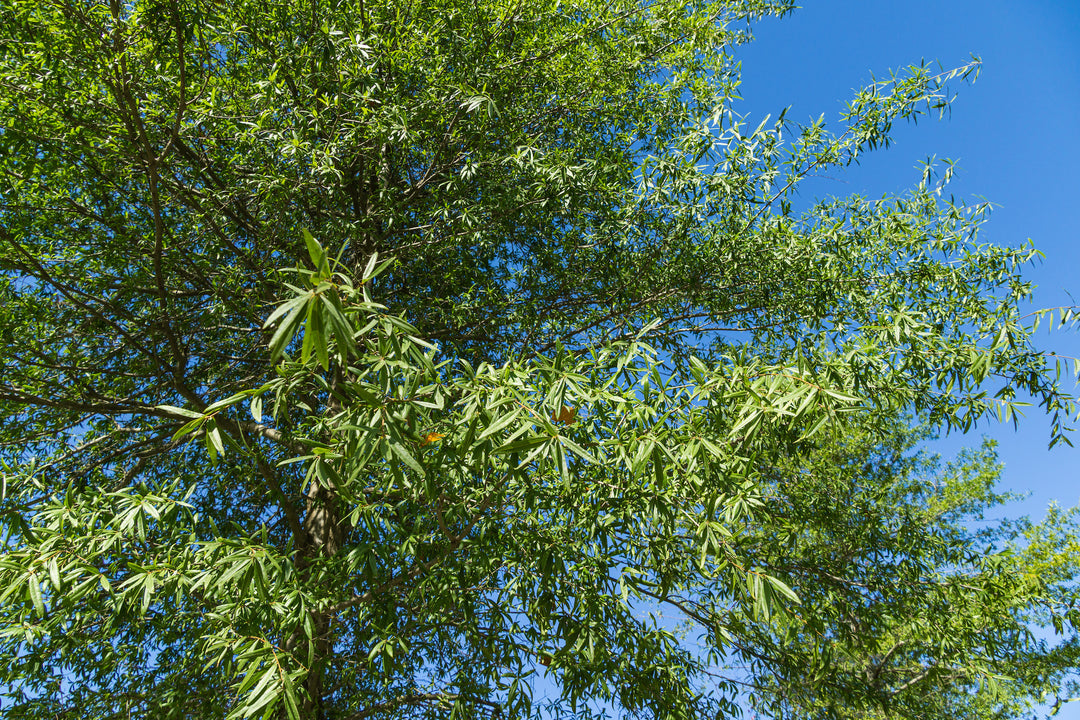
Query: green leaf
x=400, y=450
x=781, y=587
x=289, y=326
x=522, y=444
x=317, y=254
x=182, y=412
x=577, y=449
x=33, y=591
x=500, y=422
x=54, y=574
x=227, y=402
x=215, y=446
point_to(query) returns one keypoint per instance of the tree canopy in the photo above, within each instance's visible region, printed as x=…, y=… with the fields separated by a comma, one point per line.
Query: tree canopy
x=474, y=359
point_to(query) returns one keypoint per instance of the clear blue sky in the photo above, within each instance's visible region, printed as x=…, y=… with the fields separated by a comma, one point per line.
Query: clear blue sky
x=1015, y=134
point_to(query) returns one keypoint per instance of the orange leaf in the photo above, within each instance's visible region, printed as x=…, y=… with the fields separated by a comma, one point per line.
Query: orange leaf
x=431, y=437
x=566, y=415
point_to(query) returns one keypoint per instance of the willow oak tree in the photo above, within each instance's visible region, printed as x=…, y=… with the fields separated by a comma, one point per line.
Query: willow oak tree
x=333, y=335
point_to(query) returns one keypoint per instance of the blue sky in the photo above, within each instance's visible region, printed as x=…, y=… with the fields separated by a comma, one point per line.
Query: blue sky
x=1015, y=134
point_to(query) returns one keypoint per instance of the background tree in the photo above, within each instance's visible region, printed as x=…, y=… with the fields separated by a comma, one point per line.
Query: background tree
x=909, y=577
x=394, y=509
